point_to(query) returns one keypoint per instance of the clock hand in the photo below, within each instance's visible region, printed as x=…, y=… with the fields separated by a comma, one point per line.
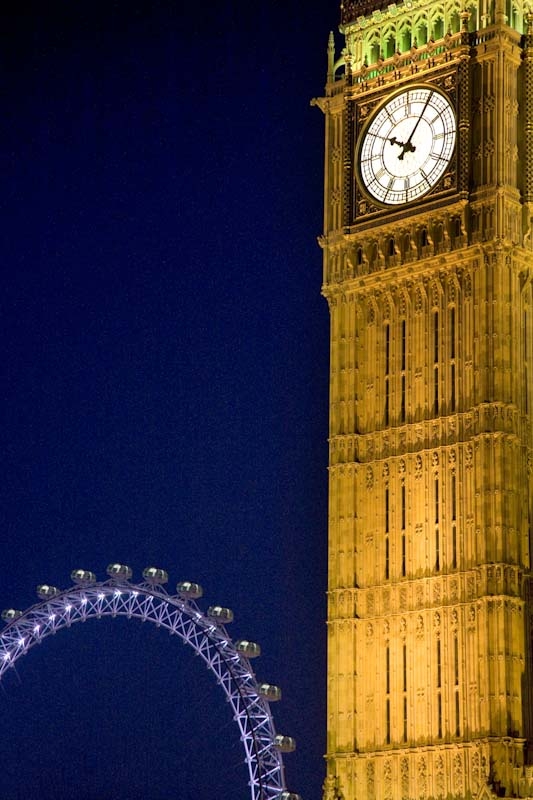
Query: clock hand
x=394, y=140
x=408, y=147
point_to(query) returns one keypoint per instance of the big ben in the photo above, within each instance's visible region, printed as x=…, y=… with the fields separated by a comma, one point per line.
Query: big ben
x=428, y=263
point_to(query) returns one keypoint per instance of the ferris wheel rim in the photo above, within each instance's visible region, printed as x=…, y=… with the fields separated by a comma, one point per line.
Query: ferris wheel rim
x=181, y=616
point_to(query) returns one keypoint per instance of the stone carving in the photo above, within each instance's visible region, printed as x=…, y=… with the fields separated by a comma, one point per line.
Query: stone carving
x=468, y=286
x=419, y=301
x=404, y=778
x=440, y=780
x=458, y=773
x=422, y=777
x=370, y=780
x=387, y=779
x=475, y=771
x=331, y=789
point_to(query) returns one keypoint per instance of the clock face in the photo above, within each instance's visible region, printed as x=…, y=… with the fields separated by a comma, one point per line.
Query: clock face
x=407, y=145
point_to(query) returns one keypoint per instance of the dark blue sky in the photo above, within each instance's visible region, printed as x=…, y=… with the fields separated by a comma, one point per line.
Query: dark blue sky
x=165, y=377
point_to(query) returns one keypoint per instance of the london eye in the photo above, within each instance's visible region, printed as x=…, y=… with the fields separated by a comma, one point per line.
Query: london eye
x=205, y=632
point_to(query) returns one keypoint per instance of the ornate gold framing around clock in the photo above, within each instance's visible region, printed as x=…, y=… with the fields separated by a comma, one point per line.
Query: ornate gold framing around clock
x=372, y=145
x=359, y=206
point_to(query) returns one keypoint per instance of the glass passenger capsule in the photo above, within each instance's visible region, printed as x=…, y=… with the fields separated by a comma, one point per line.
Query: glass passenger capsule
x=192, y=591
x=46, y=592
x=248, y=649
x=155, y=575
x=220, y=614
x=119, y=571
x=82, y=577
x=9, y=614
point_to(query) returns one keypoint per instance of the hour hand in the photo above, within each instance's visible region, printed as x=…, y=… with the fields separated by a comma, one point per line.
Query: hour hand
x=407, y=147
x=394, y=140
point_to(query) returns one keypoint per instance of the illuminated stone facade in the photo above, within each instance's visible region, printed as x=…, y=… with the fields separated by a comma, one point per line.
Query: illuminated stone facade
x=429, y=620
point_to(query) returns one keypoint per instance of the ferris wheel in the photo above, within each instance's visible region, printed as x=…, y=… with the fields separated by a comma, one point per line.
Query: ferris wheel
x=179, y=613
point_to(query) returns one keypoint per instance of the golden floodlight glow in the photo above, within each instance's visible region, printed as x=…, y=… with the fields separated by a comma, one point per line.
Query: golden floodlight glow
x=427, y=272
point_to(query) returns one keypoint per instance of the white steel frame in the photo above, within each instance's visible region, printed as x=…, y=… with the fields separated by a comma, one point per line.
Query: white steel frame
x=180, y=616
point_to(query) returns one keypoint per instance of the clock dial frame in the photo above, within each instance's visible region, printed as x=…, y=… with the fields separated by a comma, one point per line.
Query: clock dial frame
x=407, y=145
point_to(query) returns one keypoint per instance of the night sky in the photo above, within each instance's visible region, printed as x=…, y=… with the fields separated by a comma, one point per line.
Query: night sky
x=164, y=378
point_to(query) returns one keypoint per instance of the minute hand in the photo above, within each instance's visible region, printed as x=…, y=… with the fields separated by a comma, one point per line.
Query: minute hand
x=407, y=146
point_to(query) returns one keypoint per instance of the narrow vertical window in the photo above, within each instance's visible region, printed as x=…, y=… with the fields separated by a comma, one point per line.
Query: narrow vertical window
x=387, y=669
x=454, y=497
x=403, y=540
x=452, y=387
x=437, y=531
x=526, y=359
x=404, y=668
x=439, y=716
x=452, y=332
x=403, y=362
x=387, y=373
x=405, y=719
x=457, y=715
x=456, y=660
x=454, y=518
x=387, y=526
x=454, y=547
x=436, y=361
x=439, y=665
x=387, y=720
x=387, y=348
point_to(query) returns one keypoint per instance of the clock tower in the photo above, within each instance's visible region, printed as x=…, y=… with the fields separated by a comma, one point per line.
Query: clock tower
x=428, y=266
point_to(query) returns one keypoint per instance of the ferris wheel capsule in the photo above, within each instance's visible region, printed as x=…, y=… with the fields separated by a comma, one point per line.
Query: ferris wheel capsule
x=9, y=614
x=285, y=744
x=83, y=577
x=289, y=796
x=248, y=649
x=119, y=571
x=191, y=591
x=46, y=592
x=269, y=692
x=155, y=576
x=220, y=614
